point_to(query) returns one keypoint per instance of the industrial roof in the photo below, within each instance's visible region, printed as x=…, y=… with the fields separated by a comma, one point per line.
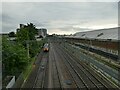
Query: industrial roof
x=111, y=33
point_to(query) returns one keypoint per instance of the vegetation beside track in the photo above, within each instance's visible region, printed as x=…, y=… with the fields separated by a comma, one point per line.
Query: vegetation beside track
x=19, y=55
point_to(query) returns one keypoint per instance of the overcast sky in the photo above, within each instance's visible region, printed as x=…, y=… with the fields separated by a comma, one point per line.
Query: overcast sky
x=60, y=17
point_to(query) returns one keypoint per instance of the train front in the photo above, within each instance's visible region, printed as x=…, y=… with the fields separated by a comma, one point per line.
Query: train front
x=46, y=48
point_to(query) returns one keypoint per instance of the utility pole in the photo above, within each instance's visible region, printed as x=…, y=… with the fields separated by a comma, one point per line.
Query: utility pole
x=28, y=49
x=28, y=45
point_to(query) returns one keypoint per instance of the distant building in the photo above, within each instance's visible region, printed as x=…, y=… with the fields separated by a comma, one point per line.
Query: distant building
x=101, y=34
x=3, y=34
x=42, y=32
x=106, y=40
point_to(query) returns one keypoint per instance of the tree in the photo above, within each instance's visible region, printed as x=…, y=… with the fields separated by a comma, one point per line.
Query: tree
x=26, y=36
x=11, y=34
x=13, y=57
x=40, y=36
x=26, y=33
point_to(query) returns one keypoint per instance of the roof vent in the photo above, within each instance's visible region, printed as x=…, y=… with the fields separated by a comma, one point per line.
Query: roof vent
x=83, y=35
x=99, y=34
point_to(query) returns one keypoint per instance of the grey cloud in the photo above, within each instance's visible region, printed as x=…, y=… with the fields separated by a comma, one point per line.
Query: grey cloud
x=6, y=18
x=57, y=15
x=61, y=0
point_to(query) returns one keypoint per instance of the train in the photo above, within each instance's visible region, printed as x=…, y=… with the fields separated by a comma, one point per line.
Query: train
x=46, y=47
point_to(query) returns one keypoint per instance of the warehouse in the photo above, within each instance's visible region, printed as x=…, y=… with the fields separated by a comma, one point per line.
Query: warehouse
x=105, y=40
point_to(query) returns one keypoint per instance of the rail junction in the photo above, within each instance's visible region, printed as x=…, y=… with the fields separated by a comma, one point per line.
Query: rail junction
x=58, y=68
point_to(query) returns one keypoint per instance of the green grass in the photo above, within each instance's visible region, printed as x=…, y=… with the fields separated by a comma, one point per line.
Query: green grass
x=101, y=60
x=105, y=62
x=112, y=65
x=28, y=69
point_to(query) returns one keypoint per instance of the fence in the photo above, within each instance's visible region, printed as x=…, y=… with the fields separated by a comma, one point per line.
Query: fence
x=11, y=83
x=19, y=81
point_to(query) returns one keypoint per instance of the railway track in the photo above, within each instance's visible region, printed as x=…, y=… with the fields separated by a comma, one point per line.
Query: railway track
x=66, y=80
x=77, y=79
x=63, y=70
x=42, y=74
x=31, y=79
x=88, y=83
x=93, y=81
x=55, y=78
x=114, y=73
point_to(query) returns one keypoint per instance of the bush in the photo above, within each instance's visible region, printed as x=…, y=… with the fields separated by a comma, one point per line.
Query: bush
x=13, y=57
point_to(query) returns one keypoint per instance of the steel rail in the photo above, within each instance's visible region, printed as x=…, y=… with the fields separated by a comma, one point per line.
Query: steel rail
x=43, y=73
x=78, y=74
x=57, y=70
x=90, y=72
x=75, y=73
x=68, y=70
